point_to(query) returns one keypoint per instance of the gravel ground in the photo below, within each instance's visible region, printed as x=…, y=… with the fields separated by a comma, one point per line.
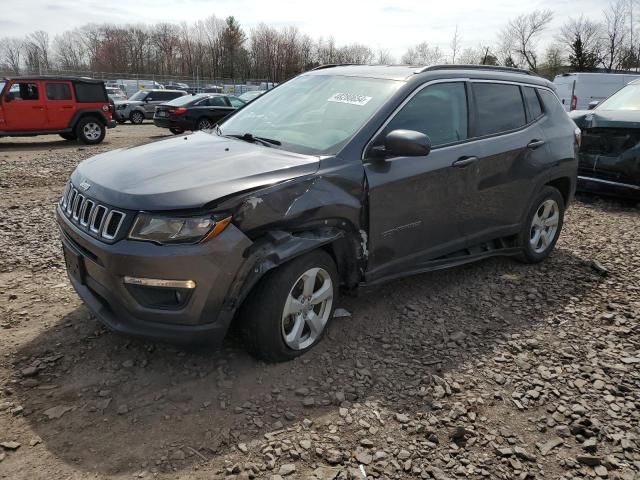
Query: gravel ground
x=495, y=370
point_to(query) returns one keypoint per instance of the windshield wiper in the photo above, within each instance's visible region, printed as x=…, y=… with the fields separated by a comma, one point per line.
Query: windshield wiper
x=248, y=137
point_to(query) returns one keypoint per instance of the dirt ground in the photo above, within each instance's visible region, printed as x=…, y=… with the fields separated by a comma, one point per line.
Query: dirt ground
x=495, y=370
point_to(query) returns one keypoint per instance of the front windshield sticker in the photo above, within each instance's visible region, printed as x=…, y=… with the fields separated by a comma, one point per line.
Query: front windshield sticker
x=350, y=98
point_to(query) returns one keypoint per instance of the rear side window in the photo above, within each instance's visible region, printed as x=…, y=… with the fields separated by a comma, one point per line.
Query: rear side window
x=499, y=108
x=533, y=103
x=58, y=91
x=235, y=102
x=167, y=95
x=90, y=92
x=439, y=111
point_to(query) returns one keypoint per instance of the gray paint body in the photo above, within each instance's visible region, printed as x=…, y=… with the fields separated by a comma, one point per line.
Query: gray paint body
x=379, y=218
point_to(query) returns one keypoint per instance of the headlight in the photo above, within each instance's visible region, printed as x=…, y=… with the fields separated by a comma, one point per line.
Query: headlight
x=161, y=229
x=122, y=106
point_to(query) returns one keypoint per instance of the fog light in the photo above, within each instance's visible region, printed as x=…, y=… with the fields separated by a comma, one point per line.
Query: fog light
x=156, y=282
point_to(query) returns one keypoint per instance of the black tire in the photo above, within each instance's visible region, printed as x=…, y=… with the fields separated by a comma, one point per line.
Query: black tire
x=176, y=131
x=69, y=136
x=204, y=123
x=261, y=315
x=530, y=254
x=136, y=117
x=90, y=130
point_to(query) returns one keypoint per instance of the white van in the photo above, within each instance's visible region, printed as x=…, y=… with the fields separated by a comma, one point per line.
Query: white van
x=577, y=90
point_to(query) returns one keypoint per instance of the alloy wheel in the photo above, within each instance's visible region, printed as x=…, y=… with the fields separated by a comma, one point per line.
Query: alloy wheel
x=544, y=226
x=307, y=309
x=205, y=124
x=92, y=131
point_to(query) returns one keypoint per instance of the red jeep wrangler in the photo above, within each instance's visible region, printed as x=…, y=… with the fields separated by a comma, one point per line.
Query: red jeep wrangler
x=74, y=108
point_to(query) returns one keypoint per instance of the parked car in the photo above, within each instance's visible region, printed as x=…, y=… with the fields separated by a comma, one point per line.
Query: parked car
x=74, y=108
x=116, y=94
x=143, y=104
x=581, y=91
x=248, y=96
x=344, y=176
x=610, y=152
x=195, y=112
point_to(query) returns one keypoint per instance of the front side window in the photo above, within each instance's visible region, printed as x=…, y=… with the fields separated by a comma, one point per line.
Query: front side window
x=314, y=114
x=58, y=91
x=139, y=96
x=236, y=102
x=216, y=102
x=499, y=108
x=23, y=91
x=439, y=111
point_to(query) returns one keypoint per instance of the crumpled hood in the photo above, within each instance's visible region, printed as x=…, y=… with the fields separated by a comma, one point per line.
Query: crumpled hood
x=186, y=172
x=606, y=118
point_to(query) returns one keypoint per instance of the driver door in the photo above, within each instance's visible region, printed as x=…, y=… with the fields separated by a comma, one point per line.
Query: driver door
x=414, y=202
x=24, y=106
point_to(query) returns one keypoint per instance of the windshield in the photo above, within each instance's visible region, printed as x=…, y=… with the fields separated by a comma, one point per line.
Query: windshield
x=628, y=98
x=140, y=95
x=184, y=100
x=312, y=114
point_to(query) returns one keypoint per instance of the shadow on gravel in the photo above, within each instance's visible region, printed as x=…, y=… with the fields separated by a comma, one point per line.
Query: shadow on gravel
x=125, y=406
x=55, y=143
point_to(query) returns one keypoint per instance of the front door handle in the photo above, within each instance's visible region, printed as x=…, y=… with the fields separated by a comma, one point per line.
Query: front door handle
x=464, y=162
x=533, y=144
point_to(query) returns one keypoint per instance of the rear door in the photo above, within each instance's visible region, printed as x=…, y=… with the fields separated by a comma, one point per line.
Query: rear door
x=60, y=104
x=511, y=155
x=414, y=201
x=24, y=106
x=596, y=88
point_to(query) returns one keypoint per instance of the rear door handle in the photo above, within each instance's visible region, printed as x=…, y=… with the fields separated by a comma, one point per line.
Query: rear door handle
x=464, y=162
x=533, y=144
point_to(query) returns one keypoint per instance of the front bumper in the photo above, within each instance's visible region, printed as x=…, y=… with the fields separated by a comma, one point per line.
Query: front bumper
x=97, y=272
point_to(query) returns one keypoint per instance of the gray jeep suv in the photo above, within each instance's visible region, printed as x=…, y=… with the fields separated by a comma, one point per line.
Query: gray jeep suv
x=345, y=176
x=142, y=105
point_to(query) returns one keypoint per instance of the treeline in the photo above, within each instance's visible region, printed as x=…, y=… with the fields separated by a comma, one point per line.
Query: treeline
x=221, y=48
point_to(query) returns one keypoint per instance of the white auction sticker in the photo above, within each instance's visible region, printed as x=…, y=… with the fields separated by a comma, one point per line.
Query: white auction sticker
x=350, y=98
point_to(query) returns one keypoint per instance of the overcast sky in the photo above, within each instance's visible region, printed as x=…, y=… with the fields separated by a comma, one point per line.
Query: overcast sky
x=390, y=24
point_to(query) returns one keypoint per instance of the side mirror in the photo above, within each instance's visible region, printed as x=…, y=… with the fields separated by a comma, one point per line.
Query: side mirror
x=593, y=104
x=407, y=143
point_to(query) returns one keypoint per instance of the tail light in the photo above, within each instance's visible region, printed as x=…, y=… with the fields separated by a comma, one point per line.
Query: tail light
x=574, y=102
x=577, y=134
x=178, y=111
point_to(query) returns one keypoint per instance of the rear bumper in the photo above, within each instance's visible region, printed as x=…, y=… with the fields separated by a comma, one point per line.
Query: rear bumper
x=608, y=187
x=164, y=122
x=98, y=278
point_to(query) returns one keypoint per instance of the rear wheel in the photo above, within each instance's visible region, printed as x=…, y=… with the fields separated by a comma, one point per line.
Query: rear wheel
x=90, y=130
x=204, y=124
x=289, y=310
x=136, y=117
x=542, y=227
x=69, y=136
x=176, y=131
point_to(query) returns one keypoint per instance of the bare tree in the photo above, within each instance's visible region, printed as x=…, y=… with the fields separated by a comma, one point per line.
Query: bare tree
x=519, y=37
x=615, y=34
x=581, y=38
x=455, y=45
x=10, y=54
x=384, y=57
x=423, y=54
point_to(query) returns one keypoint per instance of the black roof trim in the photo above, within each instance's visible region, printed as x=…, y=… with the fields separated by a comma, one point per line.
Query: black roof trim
x=490, y=68
x=332, y=65
x=56, y=77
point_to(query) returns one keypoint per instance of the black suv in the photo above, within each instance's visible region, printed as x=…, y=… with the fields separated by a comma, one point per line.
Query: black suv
x=345, y=176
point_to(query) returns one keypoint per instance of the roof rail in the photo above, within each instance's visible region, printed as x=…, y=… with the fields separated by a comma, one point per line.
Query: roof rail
x=331, y=65
x=474, y=67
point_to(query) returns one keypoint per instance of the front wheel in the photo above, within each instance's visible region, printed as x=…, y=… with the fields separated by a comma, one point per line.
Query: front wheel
x=136, y=117
x=289, y=310
x=90, y=131
x=542, y=227
x=204, y=124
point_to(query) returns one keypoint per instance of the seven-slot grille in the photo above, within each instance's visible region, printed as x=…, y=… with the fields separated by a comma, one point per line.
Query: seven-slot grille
x=90, y=215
